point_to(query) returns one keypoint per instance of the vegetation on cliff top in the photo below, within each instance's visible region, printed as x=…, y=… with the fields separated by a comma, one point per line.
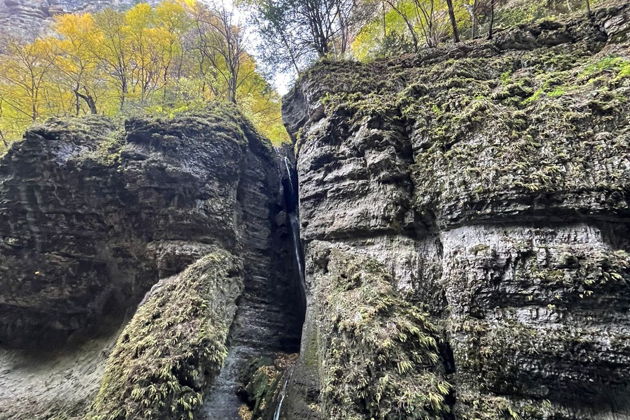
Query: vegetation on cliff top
x=181, y=53
x=173, y=347
x=529, y=119
x=294, y=34
x=147, y=60
x=103, y=139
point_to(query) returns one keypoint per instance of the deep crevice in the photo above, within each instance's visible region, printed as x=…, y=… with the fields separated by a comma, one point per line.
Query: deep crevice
x=271, y=309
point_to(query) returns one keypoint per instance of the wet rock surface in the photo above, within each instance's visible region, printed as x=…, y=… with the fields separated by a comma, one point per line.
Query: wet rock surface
x=92, y=217
x=490, y=182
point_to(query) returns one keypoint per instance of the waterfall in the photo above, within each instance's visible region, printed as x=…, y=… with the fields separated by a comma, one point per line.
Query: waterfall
x=287, y=165
x=294, y=226
x=276, y=415
x=291, y=199
x=292, y=209
x=265, y=322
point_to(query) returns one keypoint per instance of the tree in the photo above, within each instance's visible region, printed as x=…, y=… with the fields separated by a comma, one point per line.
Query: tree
x=71, y=57
x=429, y=17
x=221, y=43
x=113, y=51
x=421, y=17
x=175, y=18
x=451, y=15
x=23, y=73
x=272, y=21
x=491, y=22
x=304, y=29
x=399, y=8
x=173, y=57
x=5, y=144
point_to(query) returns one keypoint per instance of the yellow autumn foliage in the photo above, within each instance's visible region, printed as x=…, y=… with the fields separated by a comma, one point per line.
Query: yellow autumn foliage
x=175, y=56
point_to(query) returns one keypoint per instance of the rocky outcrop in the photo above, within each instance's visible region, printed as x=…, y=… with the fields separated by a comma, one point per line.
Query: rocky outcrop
x=26, y=18
x=93, y=216
x=150, y=374
x=465, y=214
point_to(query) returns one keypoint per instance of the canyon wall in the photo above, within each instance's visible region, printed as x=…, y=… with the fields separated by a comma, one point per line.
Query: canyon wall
x=464, y=218
x=465, y=213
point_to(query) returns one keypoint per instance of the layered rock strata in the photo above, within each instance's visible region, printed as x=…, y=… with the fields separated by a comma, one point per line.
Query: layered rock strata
x=484, y=186
x=94, y=216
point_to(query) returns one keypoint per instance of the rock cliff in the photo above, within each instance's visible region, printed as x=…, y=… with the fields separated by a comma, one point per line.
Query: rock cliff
x=25, y=18
x=462, y=245
x=94, y=216
x=466, y=217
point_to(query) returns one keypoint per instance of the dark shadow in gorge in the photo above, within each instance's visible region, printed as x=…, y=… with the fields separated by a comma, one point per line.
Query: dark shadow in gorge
x=290, y=188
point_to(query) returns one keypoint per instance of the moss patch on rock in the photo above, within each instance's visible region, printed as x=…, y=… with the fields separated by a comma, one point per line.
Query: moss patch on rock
x=379, y=353
x=174, y=346
x=265, y=382
x=498, y=123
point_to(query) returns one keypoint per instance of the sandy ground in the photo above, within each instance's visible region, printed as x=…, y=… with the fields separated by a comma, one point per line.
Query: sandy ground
x=42, y=386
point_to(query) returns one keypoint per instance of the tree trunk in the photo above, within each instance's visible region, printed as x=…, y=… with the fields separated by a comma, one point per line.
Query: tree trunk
x=232, y=86
x=491, y=26
x=384, y=22
x=77, y=102
x=123, y=94
x=451, y=15
x=89, y=100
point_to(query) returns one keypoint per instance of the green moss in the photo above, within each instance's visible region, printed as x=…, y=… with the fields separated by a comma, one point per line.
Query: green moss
x=475, y=406
x=109, y=149
x=381, y=353
x=173, y=347
x=617, y=65
x=557, y=92
x=265, y=382
x=490, y=132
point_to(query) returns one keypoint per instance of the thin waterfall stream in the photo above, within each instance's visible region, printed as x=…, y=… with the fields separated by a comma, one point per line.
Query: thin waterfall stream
x=292, y=205
x=294, y=218
x=268, y=320
x=283, y=393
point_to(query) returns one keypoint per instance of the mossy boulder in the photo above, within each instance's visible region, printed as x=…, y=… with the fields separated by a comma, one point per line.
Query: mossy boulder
x=174, y=345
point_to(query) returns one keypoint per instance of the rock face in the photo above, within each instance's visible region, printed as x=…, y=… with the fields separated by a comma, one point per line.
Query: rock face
x=92, y=215
x=466, y=217
x=28, y=17
x=465, y=224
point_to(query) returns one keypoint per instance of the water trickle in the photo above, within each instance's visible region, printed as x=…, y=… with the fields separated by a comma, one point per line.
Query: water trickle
x=291, y=199
x=267, y=320
x=294, y=223
x=276, y=415
x=287, y=165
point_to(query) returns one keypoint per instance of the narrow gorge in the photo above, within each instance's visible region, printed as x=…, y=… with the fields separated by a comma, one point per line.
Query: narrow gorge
x=447, y=237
